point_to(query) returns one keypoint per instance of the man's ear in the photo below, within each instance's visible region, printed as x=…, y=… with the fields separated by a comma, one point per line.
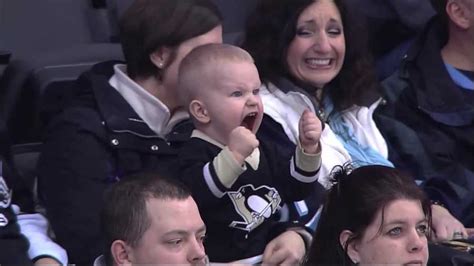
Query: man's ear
x=121, y=253
x=352, y=250
x=459, y=14
x=160, y=58
x=199, y=111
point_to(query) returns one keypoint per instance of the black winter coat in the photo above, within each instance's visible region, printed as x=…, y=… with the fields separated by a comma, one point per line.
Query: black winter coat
x=428, y=123
x=94, y=142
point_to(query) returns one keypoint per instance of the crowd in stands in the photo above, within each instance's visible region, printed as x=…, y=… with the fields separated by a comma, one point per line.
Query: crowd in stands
x=308, y=140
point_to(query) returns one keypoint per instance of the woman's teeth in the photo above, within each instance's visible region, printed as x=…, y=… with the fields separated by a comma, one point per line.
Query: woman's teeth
x=318, y=62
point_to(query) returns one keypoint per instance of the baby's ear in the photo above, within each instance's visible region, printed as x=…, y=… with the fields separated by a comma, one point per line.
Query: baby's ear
x=199, y=112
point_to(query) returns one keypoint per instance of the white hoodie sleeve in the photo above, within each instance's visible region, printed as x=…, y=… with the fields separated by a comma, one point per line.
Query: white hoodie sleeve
x=35, y=228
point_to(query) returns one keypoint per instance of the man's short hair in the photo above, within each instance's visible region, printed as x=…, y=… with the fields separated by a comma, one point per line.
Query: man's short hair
x=124, y=215
x=194, y=68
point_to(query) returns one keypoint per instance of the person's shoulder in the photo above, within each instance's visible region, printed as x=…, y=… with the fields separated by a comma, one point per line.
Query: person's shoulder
x=82, y=117
x=105, y=68
x=393, y=86
x=74, y=125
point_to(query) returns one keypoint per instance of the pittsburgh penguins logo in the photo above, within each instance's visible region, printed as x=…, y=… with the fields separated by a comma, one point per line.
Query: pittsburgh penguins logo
x=5, y=194
x=254, y=205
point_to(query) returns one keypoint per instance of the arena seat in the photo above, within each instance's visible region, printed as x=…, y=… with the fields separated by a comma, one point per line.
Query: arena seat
x=29, y=82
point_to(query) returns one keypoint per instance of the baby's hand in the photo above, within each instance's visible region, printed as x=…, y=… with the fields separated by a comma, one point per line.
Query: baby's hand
x=242, y=142
x=310, y=132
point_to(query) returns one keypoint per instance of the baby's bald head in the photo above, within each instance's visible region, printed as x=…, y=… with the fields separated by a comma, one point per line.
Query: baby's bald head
x=201, y=68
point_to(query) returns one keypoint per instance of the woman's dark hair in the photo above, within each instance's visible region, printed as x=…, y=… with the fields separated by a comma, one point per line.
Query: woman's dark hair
x=353, y=203
x=150, y=24
x=272, y=27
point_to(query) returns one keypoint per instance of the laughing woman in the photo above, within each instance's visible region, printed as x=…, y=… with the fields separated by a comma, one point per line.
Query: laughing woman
x=308, y=65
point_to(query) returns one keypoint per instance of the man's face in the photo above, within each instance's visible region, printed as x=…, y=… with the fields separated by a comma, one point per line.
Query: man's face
x=174, y=237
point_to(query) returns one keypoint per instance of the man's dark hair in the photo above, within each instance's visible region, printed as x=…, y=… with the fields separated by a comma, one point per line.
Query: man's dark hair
x=124, y=214
x=150, y=24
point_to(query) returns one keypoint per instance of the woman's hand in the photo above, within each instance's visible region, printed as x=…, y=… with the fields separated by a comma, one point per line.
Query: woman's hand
x=445, y=226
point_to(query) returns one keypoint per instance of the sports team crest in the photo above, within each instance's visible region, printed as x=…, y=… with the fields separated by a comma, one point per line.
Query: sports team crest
x=254, y=205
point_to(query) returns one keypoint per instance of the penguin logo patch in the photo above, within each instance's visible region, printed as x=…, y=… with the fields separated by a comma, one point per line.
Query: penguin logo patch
x=5, y=194
x=254, y=205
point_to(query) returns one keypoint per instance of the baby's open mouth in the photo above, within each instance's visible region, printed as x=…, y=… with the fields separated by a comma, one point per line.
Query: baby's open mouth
x=249, y=121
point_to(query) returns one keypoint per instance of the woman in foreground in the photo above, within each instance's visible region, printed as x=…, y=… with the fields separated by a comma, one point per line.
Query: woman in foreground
x=372, y=215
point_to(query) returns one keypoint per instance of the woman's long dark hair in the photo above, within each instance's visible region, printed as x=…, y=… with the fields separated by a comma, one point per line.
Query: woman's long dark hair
x=353, y=203
x=272, y=27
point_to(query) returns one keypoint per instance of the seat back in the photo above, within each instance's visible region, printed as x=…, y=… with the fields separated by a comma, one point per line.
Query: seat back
x=29, y=26
x=25, y=158
x=29, y=82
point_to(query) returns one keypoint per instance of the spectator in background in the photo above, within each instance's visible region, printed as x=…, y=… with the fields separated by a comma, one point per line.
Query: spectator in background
x=312, y=54
x=373, y=215
x=151, y=220
x=392, y=25
x=24, y=236
x=428, y=118
x=124, y=118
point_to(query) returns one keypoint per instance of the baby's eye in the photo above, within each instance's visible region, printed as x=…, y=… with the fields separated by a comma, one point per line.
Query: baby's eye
x=395, y=231
x=256, y=92
x=236, y=94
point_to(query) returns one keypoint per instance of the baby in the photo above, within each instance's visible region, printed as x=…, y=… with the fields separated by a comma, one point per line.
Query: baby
x=238, y=182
